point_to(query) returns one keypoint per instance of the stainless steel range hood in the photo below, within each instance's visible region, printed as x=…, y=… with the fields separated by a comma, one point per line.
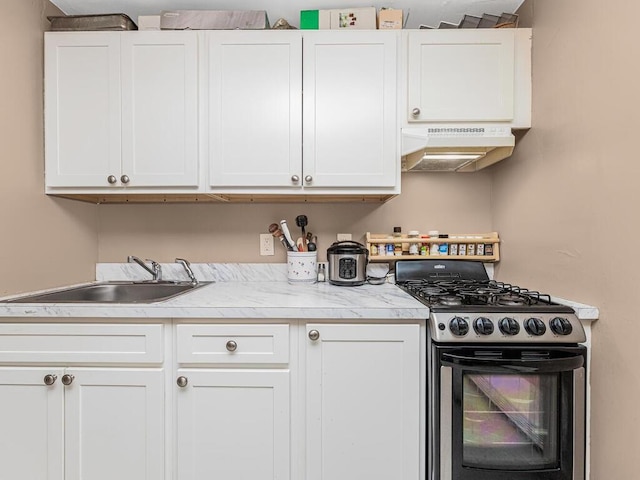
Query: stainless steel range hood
x=454, y=149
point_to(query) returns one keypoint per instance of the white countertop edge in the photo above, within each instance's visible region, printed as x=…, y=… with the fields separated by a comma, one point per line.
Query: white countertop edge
x=583, y=312
x=105, y=311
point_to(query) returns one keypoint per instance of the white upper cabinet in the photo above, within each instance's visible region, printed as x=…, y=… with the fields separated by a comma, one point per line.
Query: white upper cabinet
x=266, y=135
x=469, y=76
x=350, y=97
x=121, y=109
x=82, y=109
x=160, y=108
x=255, y=108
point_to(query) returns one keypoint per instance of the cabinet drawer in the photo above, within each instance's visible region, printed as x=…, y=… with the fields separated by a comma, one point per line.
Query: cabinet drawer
x=233, y=344
x=86, y=343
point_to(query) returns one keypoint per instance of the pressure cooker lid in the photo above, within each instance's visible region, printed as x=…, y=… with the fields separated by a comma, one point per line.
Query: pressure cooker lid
x=347, y=247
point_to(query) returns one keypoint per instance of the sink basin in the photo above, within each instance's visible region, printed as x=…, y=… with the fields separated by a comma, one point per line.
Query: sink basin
x=112, y=292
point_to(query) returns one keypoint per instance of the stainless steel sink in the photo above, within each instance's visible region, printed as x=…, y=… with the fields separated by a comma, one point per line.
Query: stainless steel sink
x=112, y=292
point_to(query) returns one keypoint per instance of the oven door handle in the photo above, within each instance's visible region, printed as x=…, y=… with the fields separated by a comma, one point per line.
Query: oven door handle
x=514, y=365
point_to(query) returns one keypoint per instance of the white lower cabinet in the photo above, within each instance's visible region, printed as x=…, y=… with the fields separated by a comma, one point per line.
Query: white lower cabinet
x=362, y=402
x=32, y=424
x=61, y=420
x=233, y=425
x=232, y=401
x=233, y=396
x=114, y=424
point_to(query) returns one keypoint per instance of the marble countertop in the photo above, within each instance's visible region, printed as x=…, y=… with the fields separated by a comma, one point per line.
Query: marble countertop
x=248, y=291
x=240, y=292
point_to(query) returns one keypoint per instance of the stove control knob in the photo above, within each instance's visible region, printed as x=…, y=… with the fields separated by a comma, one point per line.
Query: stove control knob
x=535, y=326
x=483, y=326
x=509, y=326
x=561, y=326
x=459, y=326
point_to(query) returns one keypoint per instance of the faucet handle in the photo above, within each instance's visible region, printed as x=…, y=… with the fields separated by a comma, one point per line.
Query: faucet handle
x=187, y=267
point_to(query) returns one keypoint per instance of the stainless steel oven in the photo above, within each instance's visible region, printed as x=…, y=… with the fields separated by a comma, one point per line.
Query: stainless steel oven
x=505, y=378
x=507, y=413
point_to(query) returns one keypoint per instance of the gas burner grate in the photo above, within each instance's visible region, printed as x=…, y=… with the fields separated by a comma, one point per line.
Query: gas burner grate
x=452, y=292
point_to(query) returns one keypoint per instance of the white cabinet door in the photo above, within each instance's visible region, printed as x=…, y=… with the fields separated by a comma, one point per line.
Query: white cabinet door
x=349, y=109
x=233, y=425
x=362, y=402
x=255, y=108
x=82, y=108
x=114, y=424
x=31, y=424
x=160, y=109
x=461, y=75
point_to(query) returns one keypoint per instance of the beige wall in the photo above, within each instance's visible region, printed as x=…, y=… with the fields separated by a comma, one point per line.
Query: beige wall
x=44, y=242
x=218, y=233
x=566, y=205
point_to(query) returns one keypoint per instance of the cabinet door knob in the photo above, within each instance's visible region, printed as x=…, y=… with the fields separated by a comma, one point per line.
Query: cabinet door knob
x=295, y=178
x=308, y=179
x=124, y=179
x=314, y=335
x=50, y=379
x=415, y=112
x=182, y=382
x=112, y=179
x=232, y=346
x=67, y=379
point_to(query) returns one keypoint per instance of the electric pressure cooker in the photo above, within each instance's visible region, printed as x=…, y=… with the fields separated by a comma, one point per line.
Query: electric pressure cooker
x=347, y=263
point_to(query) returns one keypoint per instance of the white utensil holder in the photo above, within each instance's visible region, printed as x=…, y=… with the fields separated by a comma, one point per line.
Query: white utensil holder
x=302, y=267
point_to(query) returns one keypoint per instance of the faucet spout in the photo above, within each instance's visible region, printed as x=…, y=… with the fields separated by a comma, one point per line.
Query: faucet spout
x=155, y=270
x=187, y=267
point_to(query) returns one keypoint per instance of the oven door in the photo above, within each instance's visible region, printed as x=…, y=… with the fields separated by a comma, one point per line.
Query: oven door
x=509, y=413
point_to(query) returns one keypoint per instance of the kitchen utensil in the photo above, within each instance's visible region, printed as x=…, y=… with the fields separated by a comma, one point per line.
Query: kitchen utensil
x=312, y=247
x=301, y=244
x=274, y=229
x=302, y=221
x=347, y=263
x=287, y=234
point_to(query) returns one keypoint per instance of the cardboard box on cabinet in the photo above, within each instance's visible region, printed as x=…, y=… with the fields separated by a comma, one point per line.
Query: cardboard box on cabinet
x=339, y=19
x=214, y=20
x=389, y=19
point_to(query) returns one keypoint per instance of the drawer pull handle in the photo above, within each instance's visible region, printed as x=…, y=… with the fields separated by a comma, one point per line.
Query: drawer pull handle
x=67, y=379
x=314, y=335
x=182, y=382
x=112, y=179
x=50, y=379
x=415, y=112
x=232, y=346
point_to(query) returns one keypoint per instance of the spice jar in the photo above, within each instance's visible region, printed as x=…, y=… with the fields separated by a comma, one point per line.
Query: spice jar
x=444, y=245
x=414, y=247
x=397, y=247
x=435, y=246
x=424, y=247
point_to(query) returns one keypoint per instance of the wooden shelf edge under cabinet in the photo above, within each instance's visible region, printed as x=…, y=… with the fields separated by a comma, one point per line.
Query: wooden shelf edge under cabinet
x=491, y=238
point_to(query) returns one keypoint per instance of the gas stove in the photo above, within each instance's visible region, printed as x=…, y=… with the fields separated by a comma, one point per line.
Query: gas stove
x=467, y=306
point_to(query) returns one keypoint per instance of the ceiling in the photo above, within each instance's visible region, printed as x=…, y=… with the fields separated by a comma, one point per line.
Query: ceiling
x=428, y=12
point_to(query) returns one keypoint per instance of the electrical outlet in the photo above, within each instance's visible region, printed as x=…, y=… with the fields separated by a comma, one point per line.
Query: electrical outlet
x=343, y=236
x=266, y=244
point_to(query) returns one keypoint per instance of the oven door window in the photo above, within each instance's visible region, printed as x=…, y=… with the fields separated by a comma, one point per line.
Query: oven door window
x=510, y=421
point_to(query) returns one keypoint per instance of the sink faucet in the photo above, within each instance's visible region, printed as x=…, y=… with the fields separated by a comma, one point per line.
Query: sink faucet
x=155, y=270
x=187, y=267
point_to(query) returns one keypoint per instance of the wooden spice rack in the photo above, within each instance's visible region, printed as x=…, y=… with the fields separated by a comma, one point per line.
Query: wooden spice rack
x=486, y=239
